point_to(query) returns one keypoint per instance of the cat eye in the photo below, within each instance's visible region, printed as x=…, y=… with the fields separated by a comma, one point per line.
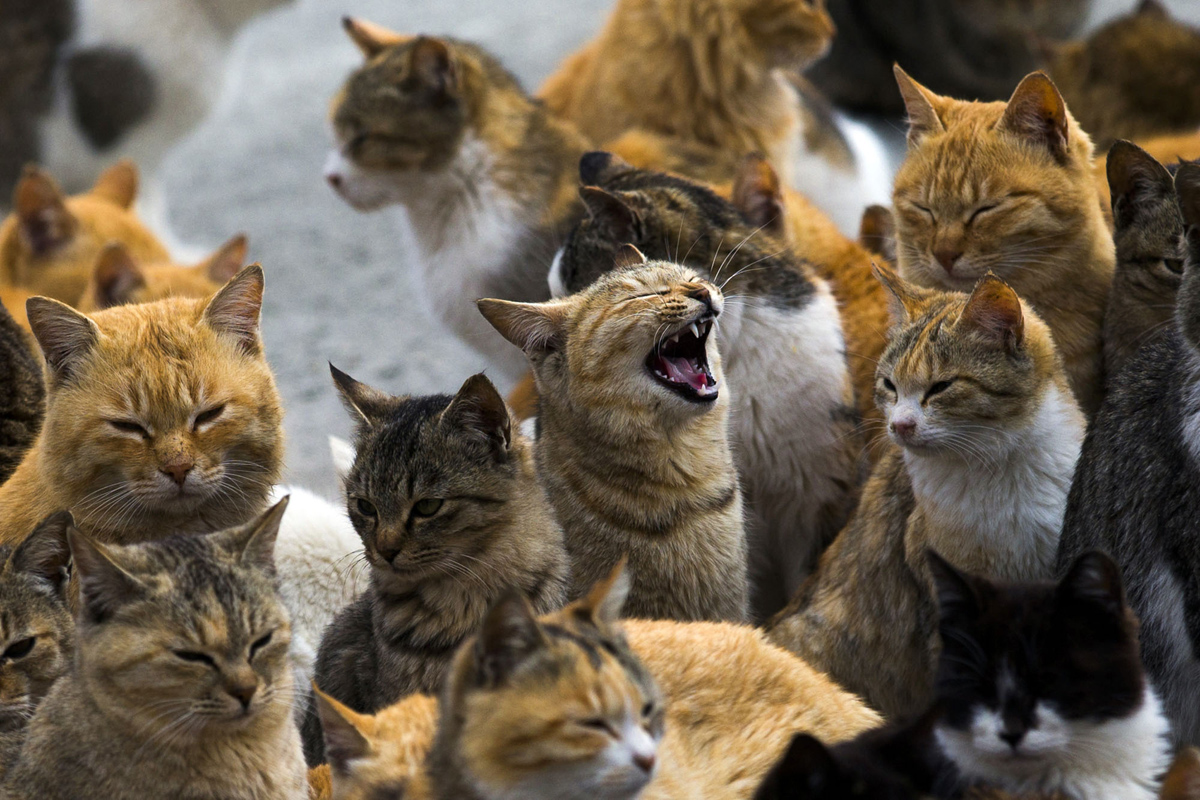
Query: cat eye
x=980, y=210
x=887, y=384
x=1175, y=265
x=365, y=508
x=355, y=143
x=938, y=388
x=194, y=657
x=927, y=212
x=260, y=644
x=205, y=417
x=648, y=710
x=597, y=724
x=129, y=426
x=18, y=649
x=427, y=507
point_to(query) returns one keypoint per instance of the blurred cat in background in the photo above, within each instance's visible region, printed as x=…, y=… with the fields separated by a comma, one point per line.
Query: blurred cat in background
x=22, y=393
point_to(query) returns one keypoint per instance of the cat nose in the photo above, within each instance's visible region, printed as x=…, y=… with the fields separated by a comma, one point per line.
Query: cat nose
x=644, y=762
x=177, y=469
x=947, y=256
x=1012, y=736
x=243, y=693
x=388, y=553
x=702, y=294
x=904, y=428
x=334, y=179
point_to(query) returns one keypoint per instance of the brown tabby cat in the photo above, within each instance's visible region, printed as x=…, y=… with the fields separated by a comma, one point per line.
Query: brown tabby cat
x=50, y=242
x=160, y=418
x=22, y=393
x=633, y=444
x=1007, y=188
x=986, y=435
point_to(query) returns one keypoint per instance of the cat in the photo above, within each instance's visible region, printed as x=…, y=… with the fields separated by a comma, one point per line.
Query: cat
x=1148, y=232
x=22, y=394
x=1008, y=188
x=633, y=442
x=1133, y=493
x=792, y=415
x=1135, y=77
x=486, y=174
x=877, y=232
x=445, y=496
x=160, y=418
x=181, y=686
x=985, y=435
x=50, y=242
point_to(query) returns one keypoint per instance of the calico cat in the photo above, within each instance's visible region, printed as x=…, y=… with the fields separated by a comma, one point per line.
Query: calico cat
x=985, y=437
x=1007, y=188
x=486, y=174
x=182, y=654
x=1148, y=232
x=160, y=418
x=1135, y=77
x=1134, y=493
x=445, y=497
x=793, y=426
x=633, y=444
x=22, y=394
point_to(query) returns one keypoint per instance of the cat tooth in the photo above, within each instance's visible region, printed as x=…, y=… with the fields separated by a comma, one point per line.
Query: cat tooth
x=695, y=330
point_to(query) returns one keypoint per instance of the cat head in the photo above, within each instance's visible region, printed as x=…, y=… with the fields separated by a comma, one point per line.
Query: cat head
x=557, y=708
x=186, y=636
x=639, y=338
x=1036, y=679
x=1187, y=304
x=119, y=279
x=990, y=187
x=162, y=414
x=37, y=631
x=961, y=372
x=792, y=34
x=50, y=242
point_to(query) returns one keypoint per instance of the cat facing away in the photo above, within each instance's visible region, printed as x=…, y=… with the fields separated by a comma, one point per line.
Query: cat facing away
x=161, y=417
x=445, y=497
x=1008, y=188
x=985, y=435
x=485, y=173
x=633, y=441
x=1134, y=494
x=22, y=394
x=182, y=685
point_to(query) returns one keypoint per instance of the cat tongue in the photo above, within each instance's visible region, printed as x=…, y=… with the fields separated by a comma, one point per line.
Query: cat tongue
x=686, y=370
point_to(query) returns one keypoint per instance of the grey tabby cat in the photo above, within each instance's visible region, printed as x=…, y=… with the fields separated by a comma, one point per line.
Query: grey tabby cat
x=22, y=394
x=445, y=496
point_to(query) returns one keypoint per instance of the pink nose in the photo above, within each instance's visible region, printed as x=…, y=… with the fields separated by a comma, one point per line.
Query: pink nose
x=904, y=428
x=335, y=179
x=644, y=761
x=178, y=469
x=947, y=257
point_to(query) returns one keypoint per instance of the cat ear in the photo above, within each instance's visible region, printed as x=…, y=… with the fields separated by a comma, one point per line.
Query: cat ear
x=611, y=214
x=597, y=167
x=1183, y=779
x=1094, y=578
x=603, y=603
x=65, y=335
x=921, y=104
x=348, y=734
x=1135, y=178
x=1187, y=192
x=104, y=586
x=905, y=301
x=434, y=63
x=43, y=221
x=45, y=553
x=479, y=409
x=1153, y=8
x=372, y=39
x=115, y=277
x=1038, y=112
x=510, y=634
x=118, y=184
x=254, y=544
x=758, y=195
x=628, y=256
x=957, y=595
x=877, y=232
x=994, y=310
x=530, y=326
x=227, y=261
x=235, y=309
x=370, y=406
x=806, y=763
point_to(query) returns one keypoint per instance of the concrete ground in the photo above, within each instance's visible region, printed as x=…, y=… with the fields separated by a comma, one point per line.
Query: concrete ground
x=337, y=280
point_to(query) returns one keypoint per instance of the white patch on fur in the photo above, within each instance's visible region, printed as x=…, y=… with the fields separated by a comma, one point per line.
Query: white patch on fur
x=528, y=429
x=341, y=452
x=555, y=278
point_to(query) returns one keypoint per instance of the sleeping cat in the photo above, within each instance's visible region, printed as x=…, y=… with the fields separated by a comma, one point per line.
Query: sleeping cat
x=182, y=685
x=1134, y=494
x=22, y=394
x=793, y=426
x=445, y=497
x=1008, y=188
x=633, y=442
x=486, y=174
x=160, y=418
x=985, y=436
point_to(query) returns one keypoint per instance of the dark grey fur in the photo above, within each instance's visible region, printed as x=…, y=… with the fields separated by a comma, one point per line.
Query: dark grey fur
x=111, y=92
x=22, y=394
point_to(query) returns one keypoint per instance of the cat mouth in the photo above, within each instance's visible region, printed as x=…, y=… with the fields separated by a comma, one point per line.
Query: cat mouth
x=680, y=361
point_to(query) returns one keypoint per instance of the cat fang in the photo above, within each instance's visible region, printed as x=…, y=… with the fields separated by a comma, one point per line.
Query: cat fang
x=680, y=361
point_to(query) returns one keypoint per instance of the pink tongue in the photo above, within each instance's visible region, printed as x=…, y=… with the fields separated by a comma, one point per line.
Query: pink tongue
x=680, y=369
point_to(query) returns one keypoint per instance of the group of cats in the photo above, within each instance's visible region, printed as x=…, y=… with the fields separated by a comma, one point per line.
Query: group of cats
x=954, y=495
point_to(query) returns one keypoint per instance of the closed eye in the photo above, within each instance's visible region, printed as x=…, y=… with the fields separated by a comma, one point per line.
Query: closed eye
x=205, y=417
x=938, y=388
x=195, y=658
x=597, y=724
x=260, y=643
x=129, y=426
x=927, y=212
x=980, y=210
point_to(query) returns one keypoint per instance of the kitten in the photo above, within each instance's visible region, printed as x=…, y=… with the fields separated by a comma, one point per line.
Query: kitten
x=1134, y=492
x=1042, y=687
x=445, y=496
x=793, y=426
x=182, y=685
x=486, y=174
x=1134, y=77
x=633, y=444
x=1007, y=188
x=22, y=394
x=1148, y=231
x=985, y=437
x=160, y=418
x=49, y=242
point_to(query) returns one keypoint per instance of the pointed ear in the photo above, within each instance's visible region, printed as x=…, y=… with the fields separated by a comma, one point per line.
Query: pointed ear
x=115, y=277
x=43, y=221
x=104, y=585
x=348, y=734
x=994, y=310
x=1187, y=192
x=905, y=301
x=65, y=336
x=253, y=545
x=530, y=326
x=597, y=167
x=807, y=765
x=1094, y=578
x=45, y=553
x=1183, y=779
x=628, y=256
x=372, y=39
x=118, y=184
x=877, y=232
x=603, y=603
x=368, y=406
x=235, y=309
x=1135, y=178
x=758, y=195
x=957, y=595
x=480, y=410
x=922, y=106
x=611, y=214
x=227, y=261
x=433, y=61
x=510, y=634
x=1038, y=112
